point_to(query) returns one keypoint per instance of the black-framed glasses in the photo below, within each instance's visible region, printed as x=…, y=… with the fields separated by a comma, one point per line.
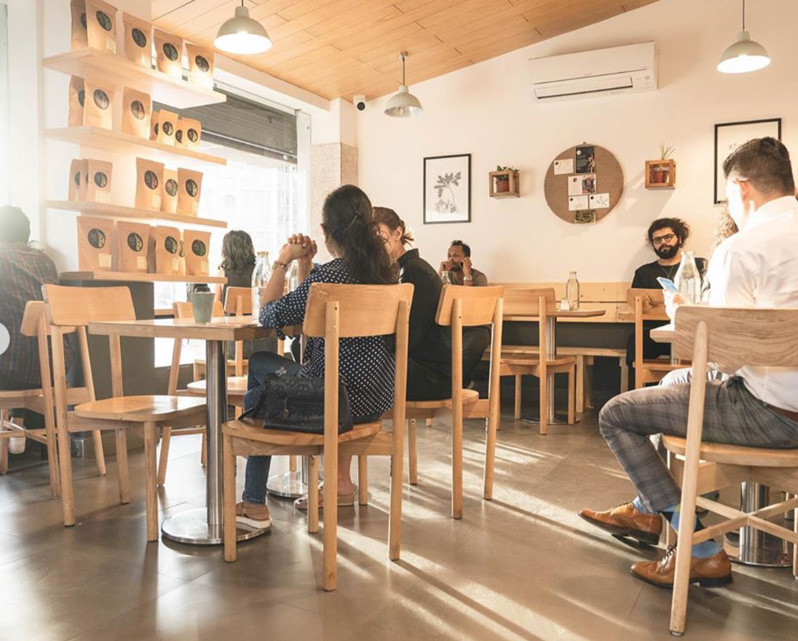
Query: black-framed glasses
x=667, y=238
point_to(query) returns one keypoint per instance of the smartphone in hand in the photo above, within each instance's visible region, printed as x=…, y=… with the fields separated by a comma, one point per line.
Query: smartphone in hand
x=668, y=284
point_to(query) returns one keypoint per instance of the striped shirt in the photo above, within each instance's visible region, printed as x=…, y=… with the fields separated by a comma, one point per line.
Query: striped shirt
x=365, y=364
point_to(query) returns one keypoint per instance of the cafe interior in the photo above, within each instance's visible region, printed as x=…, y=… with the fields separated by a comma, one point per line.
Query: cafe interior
x=392, y=319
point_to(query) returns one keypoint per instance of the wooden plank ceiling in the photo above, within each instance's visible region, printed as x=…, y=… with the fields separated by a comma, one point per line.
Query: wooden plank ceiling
x=340, y=48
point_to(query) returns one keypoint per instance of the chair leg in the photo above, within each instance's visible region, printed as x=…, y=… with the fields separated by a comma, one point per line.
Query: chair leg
x=52, y=455
x=580, y=383
x=681, y=579
x=292, y=463
x=99, y=452
x=624, y=375
x=330, y=564
x=517, y=400
x=795, y=546
x=490, y=458
x=572, y=395
x=362, y=480
x=429, y=422
x=412, y=452
x=122, y=462
x=313, y=495
x=229, y=499
x=166, y=439
x=65, y=472
x=204, y=450
x=544, y=405
x=150, y=479
x=3, y=444
x=457, y=467
x=395, y=515
x=589, y=361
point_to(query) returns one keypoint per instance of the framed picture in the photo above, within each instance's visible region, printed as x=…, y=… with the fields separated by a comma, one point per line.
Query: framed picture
x=447, y=189
x=729, y=136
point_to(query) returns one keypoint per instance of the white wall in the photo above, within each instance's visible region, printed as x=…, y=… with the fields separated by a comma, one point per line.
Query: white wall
x=486, y=110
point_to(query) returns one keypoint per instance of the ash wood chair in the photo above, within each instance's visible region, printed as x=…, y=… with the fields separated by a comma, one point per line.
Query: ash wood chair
x=648, y=305
x=34, y=325
x=733, y=337
x=76, y=307
x=334, y=312
x=461, y=307
x=538, y=302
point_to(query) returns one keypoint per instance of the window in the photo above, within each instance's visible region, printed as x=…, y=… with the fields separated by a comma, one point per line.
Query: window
x=4, y=119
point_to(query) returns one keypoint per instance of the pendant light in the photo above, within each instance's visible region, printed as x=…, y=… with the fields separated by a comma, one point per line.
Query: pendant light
x=744, y=55
x=403, y=104
x=243, y=35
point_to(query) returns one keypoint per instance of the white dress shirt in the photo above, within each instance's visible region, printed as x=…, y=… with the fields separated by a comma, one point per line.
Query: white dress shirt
x=758, y=267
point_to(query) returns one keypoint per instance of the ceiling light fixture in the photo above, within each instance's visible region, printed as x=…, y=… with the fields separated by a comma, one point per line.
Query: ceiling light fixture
x=744, y=55
x=403, y=104
x=243, y=35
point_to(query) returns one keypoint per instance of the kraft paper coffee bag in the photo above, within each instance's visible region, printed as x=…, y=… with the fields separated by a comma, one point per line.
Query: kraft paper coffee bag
x=132, y=244
x=167, y=125
x=196, y=245
x=170, y=189
x=169, y=53
x=154, y=125
x=188, y=133
x=98, y=107
x=98, y=185
x=164, y=256
x=77, y=101
x=136, y=113
x=94, y=244
x=189, y=192
x=101, y=25
x=80, y=37
x=149, y=184
x=84, y=179
x=138, y=40
x=200, y=65
x=75, y=178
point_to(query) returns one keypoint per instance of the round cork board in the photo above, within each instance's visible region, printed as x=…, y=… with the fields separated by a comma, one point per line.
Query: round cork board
x=598, y=181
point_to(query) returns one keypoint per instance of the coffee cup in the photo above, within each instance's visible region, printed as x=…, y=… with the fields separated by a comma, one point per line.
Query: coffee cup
x=203, y=306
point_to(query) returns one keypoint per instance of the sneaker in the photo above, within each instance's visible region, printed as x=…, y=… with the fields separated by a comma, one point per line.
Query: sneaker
x=253, y=516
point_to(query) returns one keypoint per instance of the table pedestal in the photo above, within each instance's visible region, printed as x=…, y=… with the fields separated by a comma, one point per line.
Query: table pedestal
x=550, y=354
x=290, y=485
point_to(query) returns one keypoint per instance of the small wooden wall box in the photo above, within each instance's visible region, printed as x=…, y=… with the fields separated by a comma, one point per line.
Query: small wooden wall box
x=660, y=174
x=499, y=191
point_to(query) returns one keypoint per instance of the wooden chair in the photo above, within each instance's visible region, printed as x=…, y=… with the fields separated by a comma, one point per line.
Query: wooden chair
x=334, y=312
x=648, y=305
x=34, y=324
x=461, y=307
x=77, y=307
x=540, y=303
x=733, y=337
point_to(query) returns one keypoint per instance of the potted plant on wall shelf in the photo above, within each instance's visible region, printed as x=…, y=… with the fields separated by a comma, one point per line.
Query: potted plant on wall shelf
x=504, y=182
x=661, y=174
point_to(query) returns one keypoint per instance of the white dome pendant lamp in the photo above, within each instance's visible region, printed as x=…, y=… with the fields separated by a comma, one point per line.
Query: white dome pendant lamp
x=403, y=104
x=745, y=55
x=242, y=35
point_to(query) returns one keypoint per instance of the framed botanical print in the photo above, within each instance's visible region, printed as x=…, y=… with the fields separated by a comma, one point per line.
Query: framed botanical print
x=729, y=136
x=447, y=189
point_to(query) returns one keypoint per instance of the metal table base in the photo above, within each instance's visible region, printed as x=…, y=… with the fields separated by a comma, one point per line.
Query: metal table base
x=289, y=485
x=191, y=527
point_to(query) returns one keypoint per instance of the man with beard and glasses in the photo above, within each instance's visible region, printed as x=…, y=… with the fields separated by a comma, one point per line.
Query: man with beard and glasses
x=458, y=264
x=667, y=237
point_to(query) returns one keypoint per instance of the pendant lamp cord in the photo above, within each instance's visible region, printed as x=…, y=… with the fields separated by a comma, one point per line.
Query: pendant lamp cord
x=403, y=70
x=743, y=15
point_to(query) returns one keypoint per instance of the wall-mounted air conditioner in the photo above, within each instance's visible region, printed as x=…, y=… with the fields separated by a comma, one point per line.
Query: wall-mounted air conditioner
x=626, y=69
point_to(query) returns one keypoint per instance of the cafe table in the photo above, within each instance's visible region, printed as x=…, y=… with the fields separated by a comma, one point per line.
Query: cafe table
x=551, y=348
x=199, y=526
x=754, y=547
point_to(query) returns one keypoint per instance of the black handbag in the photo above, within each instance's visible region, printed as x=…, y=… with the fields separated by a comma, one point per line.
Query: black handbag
x=295, y=404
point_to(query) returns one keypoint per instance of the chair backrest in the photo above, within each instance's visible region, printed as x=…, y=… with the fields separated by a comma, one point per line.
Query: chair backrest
x=647, y=304
x=525, y=301
x=238, y=301
x=478, y=304
x=183, y=309
x=738, y=337
x=79, y=306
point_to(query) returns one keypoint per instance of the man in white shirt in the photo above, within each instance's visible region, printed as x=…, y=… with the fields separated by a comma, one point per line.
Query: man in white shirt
x=755, y=406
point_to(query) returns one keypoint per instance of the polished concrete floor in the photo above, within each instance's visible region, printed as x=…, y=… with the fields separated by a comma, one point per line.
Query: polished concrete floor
x=522, y=566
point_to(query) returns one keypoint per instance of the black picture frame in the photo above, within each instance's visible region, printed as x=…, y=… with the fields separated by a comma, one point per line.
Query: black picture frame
x=729, y=135
x=447, y=184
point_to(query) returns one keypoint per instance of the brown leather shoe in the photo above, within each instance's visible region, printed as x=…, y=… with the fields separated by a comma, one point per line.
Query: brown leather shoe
x=625, y=520
x=709, y=572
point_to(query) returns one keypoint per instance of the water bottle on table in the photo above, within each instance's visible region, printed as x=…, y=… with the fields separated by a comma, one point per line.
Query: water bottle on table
x=572, y=292
x=688, y=279
x=260, y=278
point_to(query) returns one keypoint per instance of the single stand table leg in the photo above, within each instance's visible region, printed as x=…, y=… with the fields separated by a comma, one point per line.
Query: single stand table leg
x=550, y=354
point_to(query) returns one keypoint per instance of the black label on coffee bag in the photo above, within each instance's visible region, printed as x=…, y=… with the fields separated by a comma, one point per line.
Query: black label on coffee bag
x=179, y=135
x=137, y=109
x=135, y=242
x=198, y=248
x=77, y=178
x=139, y=37
x=104, y=20
x=191, y=188
x=168, y=128
x=101, y=180
x=170, y=51
x=171, y=187
x=202, y=64
x=170, y=244
x=82, y=97
x=96, y=238
x=151, y=179
x=101, y=99
x=83, y=21
x=193, y=135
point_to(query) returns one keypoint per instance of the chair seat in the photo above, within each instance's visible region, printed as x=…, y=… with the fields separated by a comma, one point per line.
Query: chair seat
x=662, y=365
x=534, y=361
x=736, y=454
x=236, y=387
x=139, y=409
x=469, y=396
x=253, y=430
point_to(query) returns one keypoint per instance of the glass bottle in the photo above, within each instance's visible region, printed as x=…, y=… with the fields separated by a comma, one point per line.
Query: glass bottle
x=293, y=276
x=260, y=278
x=688, y=279
x=572, y=291
x=445, y=278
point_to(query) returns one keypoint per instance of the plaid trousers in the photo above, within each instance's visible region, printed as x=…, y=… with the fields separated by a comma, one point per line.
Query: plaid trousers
x=732, y=415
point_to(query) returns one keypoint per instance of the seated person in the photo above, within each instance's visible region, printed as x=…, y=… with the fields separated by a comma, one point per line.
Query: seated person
x=458, y=264
x=667, y=237
x=429, y=364
x=350, y=235
x=754, y=406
